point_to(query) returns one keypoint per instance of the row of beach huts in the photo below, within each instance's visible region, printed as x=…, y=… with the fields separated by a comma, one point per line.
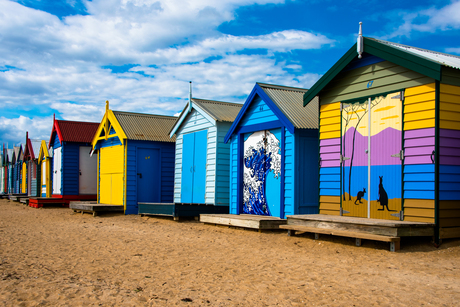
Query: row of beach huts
x=371, y=151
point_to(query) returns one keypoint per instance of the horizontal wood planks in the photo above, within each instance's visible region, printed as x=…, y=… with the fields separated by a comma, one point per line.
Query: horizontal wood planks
x=243, y=220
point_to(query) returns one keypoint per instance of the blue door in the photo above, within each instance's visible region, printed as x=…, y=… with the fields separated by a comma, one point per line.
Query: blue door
x=194, y=149
x=148, y=175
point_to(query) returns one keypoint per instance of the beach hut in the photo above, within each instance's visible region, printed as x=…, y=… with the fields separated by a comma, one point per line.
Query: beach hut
x=274, y=154
x=9, y=171
x=135, y=160
x=74, y=170
x=16, y=164
x=390, y=135
x=45, y=165
x=2, y=171
x=31, y=153
x=201, y=181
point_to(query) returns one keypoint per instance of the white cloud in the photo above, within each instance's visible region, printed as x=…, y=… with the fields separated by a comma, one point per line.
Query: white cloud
x=13, y=130
x=453, y=50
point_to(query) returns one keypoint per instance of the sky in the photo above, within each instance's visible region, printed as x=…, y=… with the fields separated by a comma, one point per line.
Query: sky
x=68, y=57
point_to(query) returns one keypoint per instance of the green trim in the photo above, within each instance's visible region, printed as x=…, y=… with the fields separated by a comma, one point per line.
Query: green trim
x=403, y=135
x=415, y=63
x=436, y=165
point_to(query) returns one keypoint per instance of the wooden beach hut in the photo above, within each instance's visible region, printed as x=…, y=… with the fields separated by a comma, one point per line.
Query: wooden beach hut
x=9, y=171
x=201, y=181
x=390, y=136
x=273, y=154
x=135, y=161
x=16, y=162
x=31, y=153
x=2, y=171
x=45, y=165
x=74, y=171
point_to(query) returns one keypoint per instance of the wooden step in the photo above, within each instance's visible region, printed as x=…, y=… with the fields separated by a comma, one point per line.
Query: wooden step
x=394, y=241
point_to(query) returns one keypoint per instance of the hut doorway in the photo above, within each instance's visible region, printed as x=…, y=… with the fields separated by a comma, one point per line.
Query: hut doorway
x=262, y=173
x=87, y=182
x=193, y=186
x=148, y=181
x=57, y=167
x=371, y=155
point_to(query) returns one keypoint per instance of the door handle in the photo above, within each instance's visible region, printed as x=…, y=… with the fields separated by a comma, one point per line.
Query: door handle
x=191, y=169
x=80, y=173
x=140, y=175
x=432, y=156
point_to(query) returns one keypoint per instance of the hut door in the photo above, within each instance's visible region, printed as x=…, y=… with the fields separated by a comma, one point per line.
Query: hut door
x=87, y=183
x=194, y=154
x=261, y=173
x=384, y=135
x=57, y=157
x=148, y=175
x=44, y=175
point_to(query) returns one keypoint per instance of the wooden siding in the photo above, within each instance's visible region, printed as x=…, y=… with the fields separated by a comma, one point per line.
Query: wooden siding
x=329, y=123
x=450, y=76
x=70, y=169
x=385, y=77
x=193, y=122
x=449, y=104
x=222, y=166
x=234, y=174
x=290, y=165
x=111, y=175
x=419, y=210
x=419, y=107
x=257, y=113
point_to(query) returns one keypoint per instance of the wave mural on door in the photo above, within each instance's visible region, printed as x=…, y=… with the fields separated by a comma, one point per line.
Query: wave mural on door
x=262, y=159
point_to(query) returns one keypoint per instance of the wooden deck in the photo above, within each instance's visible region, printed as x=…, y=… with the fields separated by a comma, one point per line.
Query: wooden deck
x=259, y=222
x=95, y=208
x=17, y=197
x=39, y=202
x=358, y=228
x=178, y=210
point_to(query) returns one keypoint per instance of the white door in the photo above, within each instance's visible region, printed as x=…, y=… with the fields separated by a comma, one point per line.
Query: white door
x=2, y=170
x=88, y=171
x=57, y=170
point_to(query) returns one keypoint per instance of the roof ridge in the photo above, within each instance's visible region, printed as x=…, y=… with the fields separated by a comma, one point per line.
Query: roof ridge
x=145, y=114
x=217, y=101
x=74, y=121
x=282, y=87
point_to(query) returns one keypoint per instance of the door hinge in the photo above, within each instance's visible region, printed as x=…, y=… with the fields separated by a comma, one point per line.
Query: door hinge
x=399, y=155
x=400, y=215
x=342, y=212
x=342, y=158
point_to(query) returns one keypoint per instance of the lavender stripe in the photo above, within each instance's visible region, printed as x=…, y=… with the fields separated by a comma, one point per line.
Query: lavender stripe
x=418, y=133
x=418, y=160
x=327, y=149
x=329, y=142
x=331, y=156
x=426, y=141
x=449, y=151
x=418, y=151
x=446, y=160
x=449, y=142
x=330, y=163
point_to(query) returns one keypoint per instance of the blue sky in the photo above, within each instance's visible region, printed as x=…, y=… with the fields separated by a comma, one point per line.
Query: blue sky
x=69, y=57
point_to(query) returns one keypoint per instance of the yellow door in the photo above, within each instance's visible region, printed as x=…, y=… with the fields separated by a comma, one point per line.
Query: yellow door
x=111, y=175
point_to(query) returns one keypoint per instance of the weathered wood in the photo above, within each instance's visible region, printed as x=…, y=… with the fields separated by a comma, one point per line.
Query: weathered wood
x=243, y=220
x=447, y=233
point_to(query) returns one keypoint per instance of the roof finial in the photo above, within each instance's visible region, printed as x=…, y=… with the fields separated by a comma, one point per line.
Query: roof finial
x=360, y=44
x=106, y=105
x=190, y=98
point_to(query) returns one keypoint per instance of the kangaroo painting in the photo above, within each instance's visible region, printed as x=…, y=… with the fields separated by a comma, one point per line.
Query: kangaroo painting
x=359, y=196
x=383, y=196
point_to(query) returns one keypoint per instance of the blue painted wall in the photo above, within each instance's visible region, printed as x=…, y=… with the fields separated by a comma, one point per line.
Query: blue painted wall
x=70, y=168
x=419, y=181
x=167, y=153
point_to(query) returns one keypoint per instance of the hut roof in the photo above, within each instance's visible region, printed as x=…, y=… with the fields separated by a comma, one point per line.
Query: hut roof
x=145, y=127
x=73, y=131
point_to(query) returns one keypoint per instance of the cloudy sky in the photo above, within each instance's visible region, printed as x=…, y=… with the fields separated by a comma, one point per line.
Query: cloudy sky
x=68, y=57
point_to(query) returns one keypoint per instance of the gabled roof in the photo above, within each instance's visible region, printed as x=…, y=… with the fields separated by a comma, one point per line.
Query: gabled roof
x=9, y=155
x=43, y=152
x=32, y=148
x=285, y=102
x=72, y=131
x=145, y=127
x=215, y=111
x=425, y=62
x=16, y=153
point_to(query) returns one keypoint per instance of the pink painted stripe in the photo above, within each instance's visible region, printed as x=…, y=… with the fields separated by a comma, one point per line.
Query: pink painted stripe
x=427, y=141
x=418, y=160
x=329, y=142
x=418, y=151
x=330, y=163
x=328, y=149
x=411, y=134
x=331, y=156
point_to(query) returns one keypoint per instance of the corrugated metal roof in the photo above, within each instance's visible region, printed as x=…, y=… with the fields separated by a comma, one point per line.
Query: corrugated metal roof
x=146, y=127
x=290, y=101
x=36, y=147
x=78, y=132
x=219, y=110
x=438, y=57
x=9, y=155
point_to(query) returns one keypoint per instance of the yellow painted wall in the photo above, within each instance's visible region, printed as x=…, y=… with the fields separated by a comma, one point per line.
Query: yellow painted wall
x=329, y=122
x=111, y=175
x=419, y=107
x=329, y=205
x=449, y=105
x=24, y=178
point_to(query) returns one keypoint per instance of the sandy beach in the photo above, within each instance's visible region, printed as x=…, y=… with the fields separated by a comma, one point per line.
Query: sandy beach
x=55, y=257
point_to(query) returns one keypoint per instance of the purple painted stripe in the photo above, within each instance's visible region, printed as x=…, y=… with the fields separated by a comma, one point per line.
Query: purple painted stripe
x=329, y=142
x=418, y=160
x=418, y=151
x=328, y=149
x=449, y=133
x=419, y=133
x=331, y=156
x=330, y=163
x=428, y=141
x=449, y=151
x=448, y=160
x=449, y=142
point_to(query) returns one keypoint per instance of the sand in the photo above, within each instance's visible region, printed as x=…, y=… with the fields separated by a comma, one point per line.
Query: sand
x=55, y=257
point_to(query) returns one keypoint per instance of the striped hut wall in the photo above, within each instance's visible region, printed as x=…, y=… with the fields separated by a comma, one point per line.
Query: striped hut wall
x=329, y=173
x=449, y=160
x=419, y=146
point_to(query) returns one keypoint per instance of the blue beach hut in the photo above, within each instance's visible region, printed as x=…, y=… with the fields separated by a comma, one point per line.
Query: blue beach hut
x=201, y=182
x=274, y=154
x=135, y=160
